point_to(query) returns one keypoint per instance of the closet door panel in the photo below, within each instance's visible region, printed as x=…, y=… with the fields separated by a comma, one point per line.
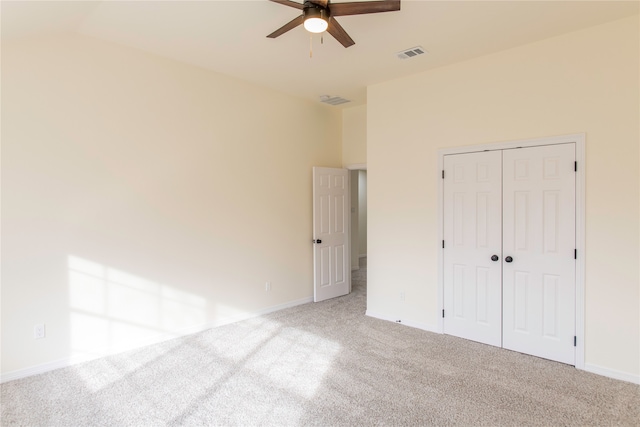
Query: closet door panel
x=472, y=280
x=539, y=236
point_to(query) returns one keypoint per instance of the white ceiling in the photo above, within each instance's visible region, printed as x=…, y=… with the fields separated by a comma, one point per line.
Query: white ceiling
x=230, y=36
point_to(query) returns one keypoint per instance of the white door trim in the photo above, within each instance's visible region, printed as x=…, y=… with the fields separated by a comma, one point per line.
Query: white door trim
x=579, y=140
x=357, y=167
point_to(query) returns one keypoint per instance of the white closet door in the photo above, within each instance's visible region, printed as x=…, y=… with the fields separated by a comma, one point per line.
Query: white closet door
x=473, y=233
x=539, y=236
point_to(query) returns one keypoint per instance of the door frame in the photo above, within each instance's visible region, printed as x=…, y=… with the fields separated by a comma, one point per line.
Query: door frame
x=579, y=140
x=354, y=167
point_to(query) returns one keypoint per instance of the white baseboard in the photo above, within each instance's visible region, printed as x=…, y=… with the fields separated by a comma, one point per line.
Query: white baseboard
x=262, y=312
x=612, y=373
x=380, y=316
x=35, y=370
x=70, y=361
x=410, y=323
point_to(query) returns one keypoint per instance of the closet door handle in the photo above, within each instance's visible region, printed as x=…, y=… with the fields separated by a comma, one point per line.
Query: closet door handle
x=508, y=259
x=494, y=258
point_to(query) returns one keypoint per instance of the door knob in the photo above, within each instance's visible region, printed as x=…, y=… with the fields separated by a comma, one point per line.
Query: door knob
x=494, y=258
x=508, y=259
x=317, y=241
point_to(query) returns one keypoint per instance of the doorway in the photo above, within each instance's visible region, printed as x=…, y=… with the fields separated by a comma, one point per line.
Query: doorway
x=358, y=180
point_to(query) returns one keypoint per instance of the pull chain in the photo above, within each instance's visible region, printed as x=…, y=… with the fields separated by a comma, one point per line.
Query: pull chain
x=311, y=46
x=322, y=34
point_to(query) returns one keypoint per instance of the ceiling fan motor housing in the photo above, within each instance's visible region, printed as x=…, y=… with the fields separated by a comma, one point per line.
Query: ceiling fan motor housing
x=312, y=10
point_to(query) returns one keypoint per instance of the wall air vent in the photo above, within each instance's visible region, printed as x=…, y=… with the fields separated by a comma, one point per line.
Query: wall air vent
x=410, y=53
x=333, y=100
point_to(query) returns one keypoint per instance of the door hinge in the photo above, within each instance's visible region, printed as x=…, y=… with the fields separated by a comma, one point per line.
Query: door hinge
x=443, y=313
x=443, y=244
x=575, y=166
x=575, y=341
x=575, y=254
x=442, y=173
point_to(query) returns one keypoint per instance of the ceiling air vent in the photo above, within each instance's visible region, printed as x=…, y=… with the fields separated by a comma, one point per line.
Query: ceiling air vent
x=333, y=100
x=410, y=53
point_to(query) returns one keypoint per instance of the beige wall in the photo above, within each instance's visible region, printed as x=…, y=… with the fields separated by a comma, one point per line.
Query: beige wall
x=587, y=81
x=354, y=136
x=127, y=209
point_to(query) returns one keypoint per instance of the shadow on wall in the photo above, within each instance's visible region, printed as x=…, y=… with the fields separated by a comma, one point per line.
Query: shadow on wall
x=112, y=310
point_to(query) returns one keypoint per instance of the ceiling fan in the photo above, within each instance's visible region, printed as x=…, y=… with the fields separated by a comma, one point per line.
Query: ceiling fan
x=318, y=16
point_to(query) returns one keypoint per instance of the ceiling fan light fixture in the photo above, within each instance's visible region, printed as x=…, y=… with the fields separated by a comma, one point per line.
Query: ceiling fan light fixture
x=315, y=20
x=316, y=25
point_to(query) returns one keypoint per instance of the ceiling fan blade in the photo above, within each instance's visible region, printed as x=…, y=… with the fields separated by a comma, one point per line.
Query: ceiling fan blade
x=339, y=33
x=362, y=7
x=286, y=27
x=289, y=3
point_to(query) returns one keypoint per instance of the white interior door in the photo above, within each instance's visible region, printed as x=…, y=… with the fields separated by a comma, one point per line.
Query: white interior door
x=539, y=242
x=331, y=221
x=472, y=239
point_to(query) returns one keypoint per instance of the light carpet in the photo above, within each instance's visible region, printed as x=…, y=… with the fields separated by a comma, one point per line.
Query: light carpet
x=319, y=364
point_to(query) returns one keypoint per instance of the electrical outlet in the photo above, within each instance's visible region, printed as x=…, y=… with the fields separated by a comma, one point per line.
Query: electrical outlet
x=39, y=331
x=267, y=286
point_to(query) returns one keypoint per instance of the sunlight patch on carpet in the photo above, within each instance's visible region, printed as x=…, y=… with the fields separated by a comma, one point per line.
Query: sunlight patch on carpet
x=295, y=360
